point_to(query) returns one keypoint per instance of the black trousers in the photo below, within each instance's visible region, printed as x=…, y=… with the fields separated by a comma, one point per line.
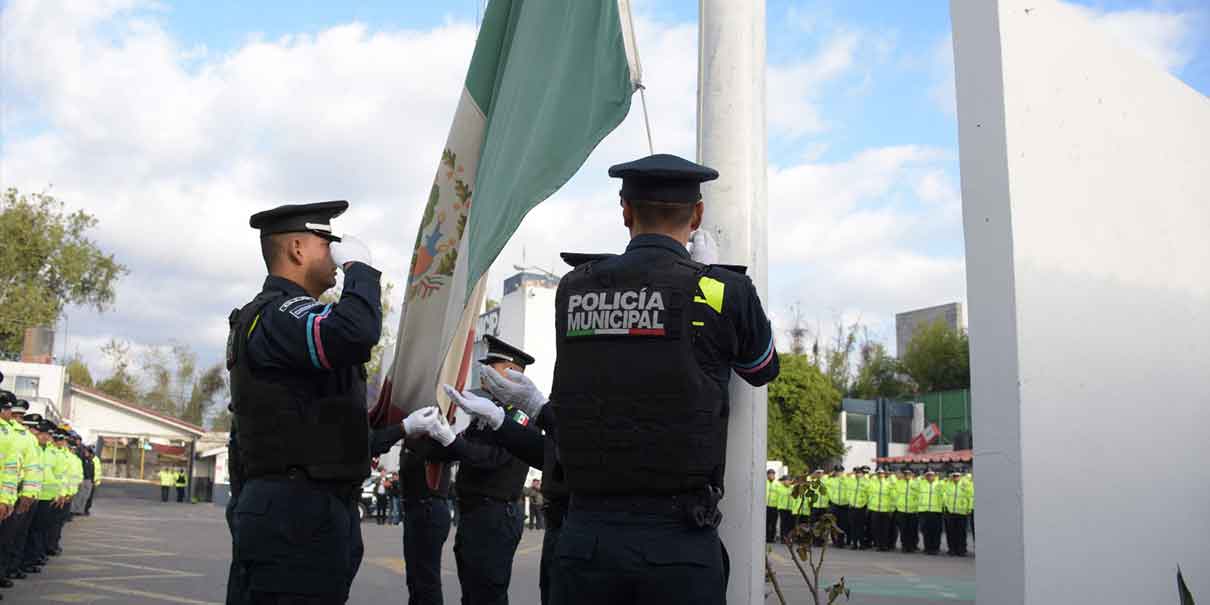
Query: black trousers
x=88, y=504
x=786, y=519
x=880, y=526
x=487, y=537
x=180, y=493
x=536, y=520
x=605, y=558
x=550, y=546
x=35, y=543
x=930, y=525
x=296, y=541
x=382, y=503
x=842, y=521
x=909, y=531
x=857, y=526
x=14, y=542
x=165, y=491
x=426, y=526
x=770, y=524
x=955, y=534
x=55, y=531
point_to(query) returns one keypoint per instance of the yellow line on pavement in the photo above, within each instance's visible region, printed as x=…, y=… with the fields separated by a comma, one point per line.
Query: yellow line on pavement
x=138, y=593
x=138, y=577
x=394, y=564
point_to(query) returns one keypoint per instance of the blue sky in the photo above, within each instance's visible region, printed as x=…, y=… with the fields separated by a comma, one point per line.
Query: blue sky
x=173, y=121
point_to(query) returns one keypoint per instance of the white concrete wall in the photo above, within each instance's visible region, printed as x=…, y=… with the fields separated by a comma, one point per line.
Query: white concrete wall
x=50, y=384
x=91, y=418
x=859, y=453
x=1086, y=201
x=539, y=339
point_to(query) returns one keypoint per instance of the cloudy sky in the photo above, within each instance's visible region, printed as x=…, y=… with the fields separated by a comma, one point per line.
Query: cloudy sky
x=172, y=122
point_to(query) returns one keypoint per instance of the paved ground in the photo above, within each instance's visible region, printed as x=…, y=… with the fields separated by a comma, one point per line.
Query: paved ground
x=141, y=552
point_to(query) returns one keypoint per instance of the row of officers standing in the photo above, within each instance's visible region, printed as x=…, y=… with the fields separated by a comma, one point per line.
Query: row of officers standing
x=631, y=440
x=46, y=476
x=879, y=510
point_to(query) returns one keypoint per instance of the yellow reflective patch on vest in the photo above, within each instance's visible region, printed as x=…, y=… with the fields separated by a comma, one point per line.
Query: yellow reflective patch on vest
x=253, y=326
x=712, y=289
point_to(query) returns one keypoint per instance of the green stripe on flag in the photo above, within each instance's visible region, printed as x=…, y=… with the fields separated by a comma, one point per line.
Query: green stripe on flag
x=553, y=79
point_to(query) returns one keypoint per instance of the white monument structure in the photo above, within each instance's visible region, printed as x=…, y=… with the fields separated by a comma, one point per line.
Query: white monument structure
x=1086, y=203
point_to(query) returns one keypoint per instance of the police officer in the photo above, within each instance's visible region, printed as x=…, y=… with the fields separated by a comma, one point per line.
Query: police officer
x=838, y=496
x=647, y=342
x=426, y=523
x=958, y=499
x=772, y=495
x=36, y=542
x=490, y=479
x=167, y=478
x=16, y=528
x=538, y=450
x=301, y=436
x=881, y=504
x=931, y=505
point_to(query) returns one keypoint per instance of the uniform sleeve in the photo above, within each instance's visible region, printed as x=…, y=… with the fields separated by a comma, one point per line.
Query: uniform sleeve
x=756, y=358
x=31, y=471
x=301, y=333
x=382, y=440
x=524, y=443
x=473, y=453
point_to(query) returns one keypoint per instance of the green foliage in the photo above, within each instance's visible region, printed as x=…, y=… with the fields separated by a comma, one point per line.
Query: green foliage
x=47, y=262
x=838, y=357
x=120, y=384
x=491, y=304
x=77, y=372
x=937, y=358
x=878, y=375
x=808, y=544
x=386, y=342
x=803, y=406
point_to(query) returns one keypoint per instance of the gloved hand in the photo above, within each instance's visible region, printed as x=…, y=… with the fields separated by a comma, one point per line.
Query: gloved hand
x=441, y=432
x=350, y=249
x=703, y=248
x=516, y=390
x=479, y=407
x=418, y=422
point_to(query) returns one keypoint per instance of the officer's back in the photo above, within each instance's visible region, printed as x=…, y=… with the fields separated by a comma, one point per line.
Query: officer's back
x=647, y=342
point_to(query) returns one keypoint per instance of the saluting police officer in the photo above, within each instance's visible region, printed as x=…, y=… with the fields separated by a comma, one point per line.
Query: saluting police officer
x=646, y=345
x=490, y=479
x=300, y=435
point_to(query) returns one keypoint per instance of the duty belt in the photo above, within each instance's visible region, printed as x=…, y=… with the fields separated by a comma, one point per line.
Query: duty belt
x=698, y=509
x=342, y=490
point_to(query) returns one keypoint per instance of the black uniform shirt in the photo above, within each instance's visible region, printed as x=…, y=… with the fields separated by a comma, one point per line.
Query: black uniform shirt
x=728, y=334
x=296, y=332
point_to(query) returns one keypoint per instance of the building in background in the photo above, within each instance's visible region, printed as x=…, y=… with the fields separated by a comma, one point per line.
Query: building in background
x=525, y=318
x=906, y=323
x=42, y=384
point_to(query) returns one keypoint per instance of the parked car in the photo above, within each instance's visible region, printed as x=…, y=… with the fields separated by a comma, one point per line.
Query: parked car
x=366, y=503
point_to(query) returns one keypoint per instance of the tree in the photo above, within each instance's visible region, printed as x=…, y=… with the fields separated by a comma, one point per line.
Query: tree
x=47, y=262
x=209, y=389
x=938, y=358
x=878, y=375
x=120, y=383
x=77, y=372
x=803, y=406
x=839, y=357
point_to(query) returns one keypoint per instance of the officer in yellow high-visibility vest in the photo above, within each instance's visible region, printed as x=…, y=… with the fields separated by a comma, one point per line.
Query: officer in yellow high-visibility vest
x=958, y=499
x=858, y=537
x=96, y=481
x=785, y=515
x=881, y=504
x=907, y=509
x=838, y=498
x=16, y=528
x=932, y=495
x=771, y=495
x=48, y=496
x=167, y=480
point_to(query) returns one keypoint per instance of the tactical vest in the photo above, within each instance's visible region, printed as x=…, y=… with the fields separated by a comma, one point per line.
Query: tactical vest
x=315, y=421
x=636, y=414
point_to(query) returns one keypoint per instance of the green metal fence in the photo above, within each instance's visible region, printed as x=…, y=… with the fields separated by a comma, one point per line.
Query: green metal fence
x=951, y=410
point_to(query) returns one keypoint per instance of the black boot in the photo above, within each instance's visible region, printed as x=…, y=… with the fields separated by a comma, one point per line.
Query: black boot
x=16, y=575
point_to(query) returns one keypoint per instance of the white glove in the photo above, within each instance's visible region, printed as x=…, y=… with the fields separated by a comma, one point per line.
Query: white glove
x=441, y=432
x=418, y=422
x=350, y=249
x=516, y=390
x=479, y=407
x=702, y=247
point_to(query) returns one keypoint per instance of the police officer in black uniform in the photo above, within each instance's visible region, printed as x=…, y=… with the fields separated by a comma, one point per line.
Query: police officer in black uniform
x=301, y=439
x=647, y=342
x=490, y=479
x=426, y=522
x=538, y=450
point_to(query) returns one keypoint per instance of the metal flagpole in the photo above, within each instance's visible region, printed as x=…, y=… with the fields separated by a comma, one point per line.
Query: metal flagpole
x=731, y=139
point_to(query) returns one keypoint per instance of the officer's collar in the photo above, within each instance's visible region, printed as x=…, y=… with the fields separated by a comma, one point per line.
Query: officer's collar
x=275, y=282
x=656, y=240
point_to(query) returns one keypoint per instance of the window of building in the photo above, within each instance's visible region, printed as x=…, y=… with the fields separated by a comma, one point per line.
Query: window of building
x=901, y=429
x=26, y=387
x=857, y=426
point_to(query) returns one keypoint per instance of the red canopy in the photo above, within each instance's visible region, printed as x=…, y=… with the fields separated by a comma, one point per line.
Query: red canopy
x=929, y=457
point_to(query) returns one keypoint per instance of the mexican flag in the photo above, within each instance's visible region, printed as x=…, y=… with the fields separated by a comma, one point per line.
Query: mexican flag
x=547, y=81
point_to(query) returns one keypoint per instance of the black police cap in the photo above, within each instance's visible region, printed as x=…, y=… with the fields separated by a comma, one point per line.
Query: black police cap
x=292, y=218
x=21, y=405
x=498, y=350
x=662, y=178
x=8, y=397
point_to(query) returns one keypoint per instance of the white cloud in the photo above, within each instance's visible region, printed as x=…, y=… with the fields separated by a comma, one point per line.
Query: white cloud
x=172, y=148
x=1165, y=38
